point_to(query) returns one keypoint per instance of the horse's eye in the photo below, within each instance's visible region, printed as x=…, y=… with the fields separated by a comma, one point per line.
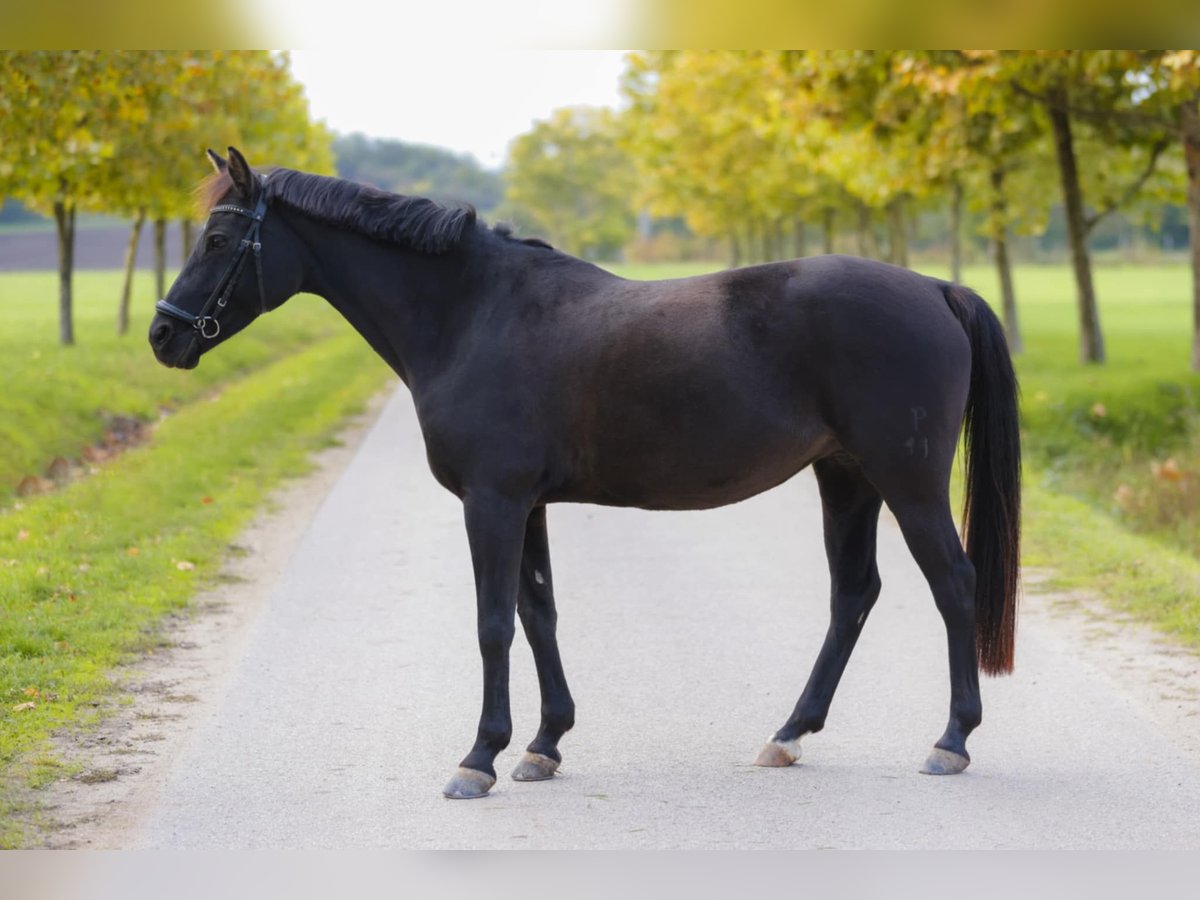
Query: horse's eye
x=216, y=241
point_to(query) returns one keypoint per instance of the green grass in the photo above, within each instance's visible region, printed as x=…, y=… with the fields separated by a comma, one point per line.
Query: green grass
x=55, y=400
x=86, y=573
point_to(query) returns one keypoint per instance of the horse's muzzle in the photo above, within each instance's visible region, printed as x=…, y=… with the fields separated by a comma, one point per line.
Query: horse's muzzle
x=173, y=346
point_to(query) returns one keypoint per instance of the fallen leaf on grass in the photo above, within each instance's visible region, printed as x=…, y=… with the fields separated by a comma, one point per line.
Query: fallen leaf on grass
x=206, y=500
x=21, y=707
x=23, y=535
x=133, y=551
x=59, y=471
x=184, y=566
x=95, y=454
x=33, y=484
x=1167, y=470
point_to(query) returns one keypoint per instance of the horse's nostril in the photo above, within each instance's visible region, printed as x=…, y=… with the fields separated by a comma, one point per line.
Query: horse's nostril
x=160, y=334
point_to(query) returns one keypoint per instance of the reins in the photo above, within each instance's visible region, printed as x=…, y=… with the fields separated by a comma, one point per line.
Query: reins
x=206, y=321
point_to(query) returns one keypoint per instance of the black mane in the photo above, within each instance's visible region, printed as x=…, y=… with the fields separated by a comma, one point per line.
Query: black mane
x=415, y=222
x=505, y=231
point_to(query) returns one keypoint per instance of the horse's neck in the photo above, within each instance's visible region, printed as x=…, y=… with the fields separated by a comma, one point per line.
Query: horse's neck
x=398, y=300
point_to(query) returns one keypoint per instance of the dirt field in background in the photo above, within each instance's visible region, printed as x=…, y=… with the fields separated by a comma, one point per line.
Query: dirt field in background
x=95, y=248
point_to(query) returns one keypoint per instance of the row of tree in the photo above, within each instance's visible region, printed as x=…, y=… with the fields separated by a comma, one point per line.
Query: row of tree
x=870, y=133
x=122, y=132
x=762, y=148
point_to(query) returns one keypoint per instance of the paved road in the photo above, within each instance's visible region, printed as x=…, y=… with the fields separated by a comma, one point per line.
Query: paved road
x=686, y=638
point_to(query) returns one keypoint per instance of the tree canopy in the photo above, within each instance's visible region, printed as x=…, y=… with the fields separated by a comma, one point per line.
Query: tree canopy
x=124, y=131
x=569, y=179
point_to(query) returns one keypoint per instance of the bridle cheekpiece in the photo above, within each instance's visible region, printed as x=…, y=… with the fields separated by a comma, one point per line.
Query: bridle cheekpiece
x=206, y=321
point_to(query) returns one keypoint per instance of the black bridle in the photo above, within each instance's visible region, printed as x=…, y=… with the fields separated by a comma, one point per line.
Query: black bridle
x=205, y=321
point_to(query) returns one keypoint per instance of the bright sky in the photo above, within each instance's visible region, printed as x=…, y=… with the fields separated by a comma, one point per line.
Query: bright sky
x=468, y=99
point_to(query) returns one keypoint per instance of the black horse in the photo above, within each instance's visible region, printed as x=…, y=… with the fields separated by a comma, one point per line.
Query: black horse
x=538, y=377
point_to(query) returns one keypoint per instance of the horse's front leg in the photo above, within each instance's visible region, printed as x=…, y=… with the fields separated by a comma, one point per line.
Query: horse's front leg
x=496, y=533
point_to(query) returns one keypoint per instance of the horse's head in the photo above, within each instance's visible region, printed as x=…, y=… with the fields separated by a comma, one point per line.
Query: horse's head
x=244, y=264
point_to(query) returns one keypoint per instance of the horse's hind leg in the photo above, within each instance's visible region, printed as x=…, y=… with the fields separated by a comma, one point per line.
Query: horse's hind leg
x=928, y=529
x=851, y=513
x=535, y=605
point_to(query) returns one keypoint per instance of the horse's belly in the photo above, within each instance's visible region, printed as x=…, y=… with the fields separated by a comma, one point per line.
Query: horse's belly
x=695, y=470
x=682, y=414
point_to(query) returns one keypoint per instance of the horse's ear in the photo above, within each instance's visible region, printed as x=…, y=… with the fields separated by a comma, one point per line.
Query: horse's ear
x=217, y=161
x=241, y=174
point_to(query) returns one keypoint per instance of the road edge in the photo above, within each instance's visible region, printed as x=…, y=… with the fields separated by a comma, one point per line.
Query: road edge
x=122, y=763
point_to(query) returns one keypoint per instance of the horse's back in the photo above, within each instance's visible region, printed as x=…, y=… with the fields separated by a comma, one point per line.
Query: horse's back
x=703, y=391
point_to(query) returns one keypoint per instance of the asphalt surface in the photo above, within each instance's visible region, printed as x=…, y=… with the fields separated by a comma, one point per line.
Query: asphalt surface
x=686, y=638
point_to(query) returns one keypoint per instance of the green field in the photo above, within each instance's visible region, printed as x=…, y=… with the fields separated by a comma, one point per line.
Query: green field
x=86, y=572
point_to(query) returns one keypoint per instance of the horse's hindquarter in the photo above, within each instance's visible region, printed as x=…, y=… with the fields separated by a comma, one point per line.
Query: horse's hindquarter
x=895, y=367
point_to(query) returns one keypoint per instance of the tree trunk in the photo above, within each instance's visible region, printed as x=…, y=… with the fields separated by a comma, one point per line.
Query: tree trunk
x=188, y=229
x=868, y=246
x=801, y=238
x=1012, y=328
x=897, y=233
x=735, y=249
x=64, y=221
x=956, y=209
x=160, y=257
x=1191, y=155
x=999, y=229
x=830, y=224
x=130, y=262
x=1091, y=338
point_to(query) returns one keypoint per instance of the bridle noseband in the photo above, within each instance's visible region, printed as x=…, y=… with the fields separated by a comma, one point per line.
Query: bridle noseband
x=205, y=321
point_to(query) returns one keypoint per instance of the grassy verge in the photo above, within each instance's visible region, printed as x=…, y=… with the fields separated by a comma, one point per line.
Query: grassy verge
x=87, y=572
x=58, y=399
x=1113, y=451
x=1083, y=549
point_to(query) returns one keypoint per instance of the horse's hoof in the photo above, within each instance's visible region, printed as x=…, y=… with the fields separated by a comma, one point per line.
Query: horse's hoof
x=468, y=784
x=944, y=762
x=778, y=754
x=535, y=767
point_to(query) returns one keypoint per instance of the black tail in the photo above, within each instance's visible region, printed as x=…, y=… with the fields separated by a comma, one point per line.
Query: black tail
x=992, y=506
